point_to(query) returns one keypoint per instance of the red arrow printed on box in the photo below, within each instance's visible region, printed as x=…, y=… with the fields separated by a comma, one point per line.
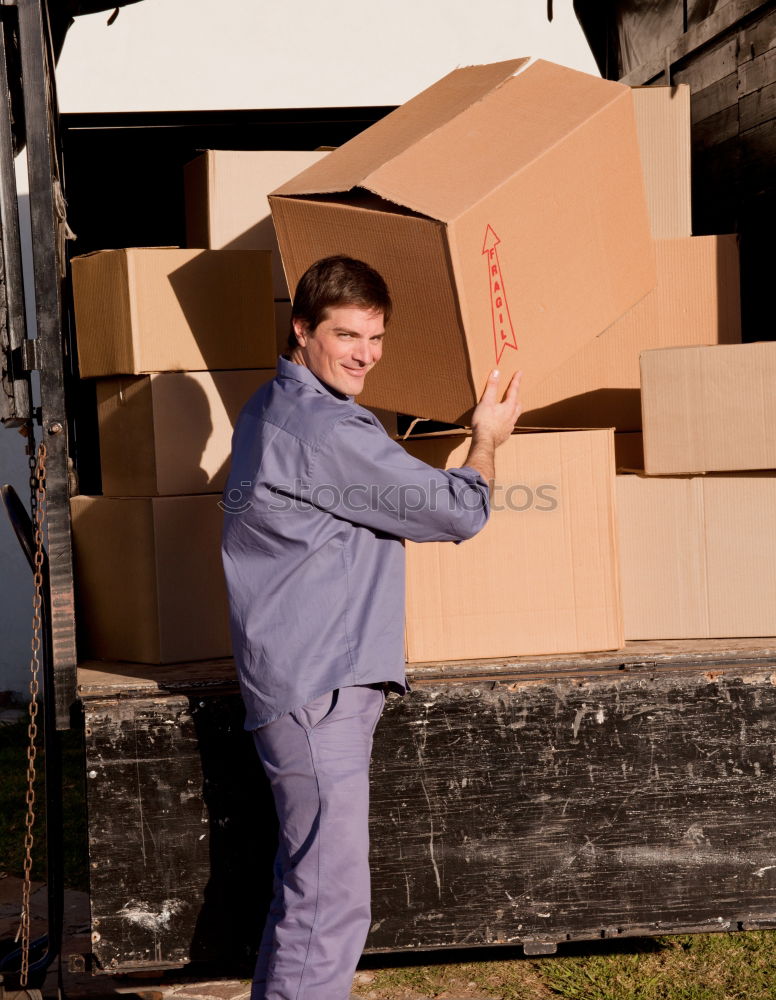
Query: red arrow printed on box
x=503, y=331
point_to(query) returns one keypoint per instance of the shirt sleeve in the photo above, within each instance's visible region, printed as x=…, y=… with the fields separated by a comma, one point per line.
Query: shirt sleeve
x=363, y=476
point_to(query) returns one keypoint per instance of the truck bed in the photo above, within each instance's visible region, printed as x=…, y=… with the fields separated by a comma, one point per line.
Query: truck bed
x=514, y=801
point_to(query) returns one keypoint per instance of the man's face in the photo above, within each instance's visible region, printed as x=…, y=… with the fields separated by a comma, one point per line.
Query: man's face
x=344, y=346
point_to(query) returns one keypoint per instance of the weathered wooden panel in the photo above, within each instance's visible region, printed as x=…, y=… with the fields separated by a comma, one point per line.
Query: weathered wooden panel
x=757, y=72
x=757, y=108
x=181, y=832
x=645, y=30
x=759, y=34
x=708, y=67
x=520, y=809
x=720, y=95
x=727, y=18
x=716, y=129
x=513, y=812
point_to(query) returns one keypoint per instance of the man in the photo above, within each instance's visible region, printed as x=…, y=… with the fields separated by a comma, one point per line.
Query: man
x=314, y=563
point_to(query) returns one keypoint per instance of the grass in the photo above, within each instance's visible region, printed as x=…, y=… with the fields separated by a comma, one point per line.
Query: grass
x=739, y=966
x=688, y=967
x=13, y=788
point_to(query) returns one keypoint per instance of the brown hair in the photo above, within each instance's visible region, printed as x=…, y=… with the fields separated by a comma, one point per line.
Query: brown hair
x=337, y=281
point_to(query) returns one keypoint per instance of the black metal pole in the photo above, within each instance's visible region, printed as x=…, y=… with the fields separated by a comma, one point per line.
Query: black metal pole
x=52, y=354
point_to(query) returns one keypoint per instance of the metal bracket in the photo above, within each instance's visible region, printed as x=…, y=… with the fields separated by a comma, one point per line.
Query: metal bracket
x=540, y=947
x=26, y=357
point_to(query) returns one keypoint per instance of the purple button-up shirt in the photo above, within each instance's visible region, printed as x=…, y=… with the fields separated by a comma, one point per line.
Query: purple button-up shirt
x=318, y=501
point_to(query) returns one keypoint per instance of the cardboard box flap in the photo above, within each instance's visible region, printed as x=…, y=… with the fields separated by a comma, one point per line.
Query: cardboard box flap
x=352, y=164
x=524, y=118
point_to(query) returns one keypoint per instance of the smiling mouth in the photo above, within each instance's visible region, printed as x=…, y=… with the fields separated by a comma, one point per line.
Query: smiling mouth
x=358, y=372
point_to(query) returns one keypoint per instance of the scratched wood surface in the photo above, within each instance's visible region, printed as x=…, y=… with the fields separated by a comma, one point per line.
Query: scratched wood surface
x=525, y=810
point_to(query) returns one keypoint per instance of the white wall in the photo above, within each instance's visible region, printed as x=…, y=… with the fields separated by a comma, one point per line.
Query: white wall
x=163, y=55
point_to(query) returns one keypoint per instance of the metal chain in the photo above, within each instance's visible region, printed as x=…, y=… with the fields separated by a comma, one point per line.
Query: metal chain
x=38, y=484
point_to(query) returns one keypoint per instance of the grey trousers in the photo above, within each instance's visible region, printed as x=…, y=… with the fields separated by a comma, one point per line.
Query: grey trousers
x=317, y=762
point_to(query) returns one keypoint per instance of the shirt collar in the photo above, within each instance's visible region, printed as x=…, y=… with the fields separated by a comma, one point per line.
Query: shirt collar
x=290, y=369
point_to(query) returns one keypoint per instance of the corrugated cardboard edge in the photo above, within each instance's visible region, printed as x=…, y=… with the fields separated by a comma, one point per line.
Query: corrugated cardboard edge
x=155, y=549
x=304, y=183
x=665, y=224
x=378, y=135
x=371, y=182
x=197, y=186
x=132, y=290
x=615, y=542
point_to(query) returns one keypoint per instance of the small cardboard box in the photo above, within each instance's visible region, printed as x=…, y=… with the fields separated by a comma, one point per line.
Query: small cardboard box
x=226, y=200
x=505, y=208
x=541, y=577
x=709, y=409
x=156, y=309
x=697, y=558
x=696, y=301
x=170, y=433
x=149, y=580
x=663, y=125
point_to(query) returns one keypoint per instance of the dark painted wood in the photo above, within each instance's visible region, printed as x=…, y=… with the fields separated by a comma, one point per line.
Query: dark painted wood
x=523, y=809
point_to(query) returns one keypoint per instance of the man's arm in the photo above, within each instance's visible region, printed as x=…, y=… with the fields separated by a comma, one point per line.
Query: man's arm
x=492, y=423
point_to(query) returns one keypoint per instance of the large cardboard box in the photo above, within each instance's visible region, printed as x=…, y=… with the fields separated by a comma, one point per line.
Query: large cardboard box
x=149, y=580
x=504, y=206
x=226, y=200
x=709, y=409
x=155, y=309
x=663, y=124
x=696, y=301
x=171, y=433
x=697, y=556
x=541, y=577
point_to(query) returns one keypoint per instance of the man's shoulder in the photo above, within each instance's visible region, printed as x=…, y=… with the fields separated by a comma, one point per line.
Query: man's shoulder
x=302, y=412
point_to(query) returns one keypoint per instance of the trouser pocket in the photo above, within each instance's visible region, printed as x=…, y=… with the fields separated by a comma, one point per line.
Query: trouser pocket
x=315, y=711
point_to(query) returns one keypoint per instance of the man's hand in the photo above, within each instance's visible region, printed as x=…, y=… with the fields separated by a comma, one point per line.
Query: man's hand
x=492, y=423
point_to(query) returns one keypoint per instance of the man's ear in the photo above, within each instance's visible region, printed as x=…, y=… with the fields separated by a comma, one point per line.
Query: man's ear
x=302, y=331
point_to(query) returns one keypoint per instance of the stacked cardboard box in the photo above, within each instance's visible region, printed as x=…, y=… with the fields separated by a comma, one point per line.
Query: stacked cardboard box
x=227, y=207
x=697, y=556
x=567, y=293
x=490, y=205
x=525, y=216
x=178, y=341
x=695, y=300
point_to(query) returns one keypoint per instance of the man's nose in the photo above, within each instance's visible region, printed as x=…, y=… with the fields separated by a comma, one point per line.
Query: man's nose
x=363, y=352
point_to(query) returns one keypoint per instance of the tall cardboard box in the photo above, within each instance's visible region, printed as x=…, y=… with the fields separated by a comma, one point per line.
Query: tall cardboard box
x=171, y=433
x=541, y=577
x=156, y=309
x=696, y=301
x=663, y=126
x=505, y=208
x=149, y=580
x=709, y=409
x=226, y=200
x=697, y=556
